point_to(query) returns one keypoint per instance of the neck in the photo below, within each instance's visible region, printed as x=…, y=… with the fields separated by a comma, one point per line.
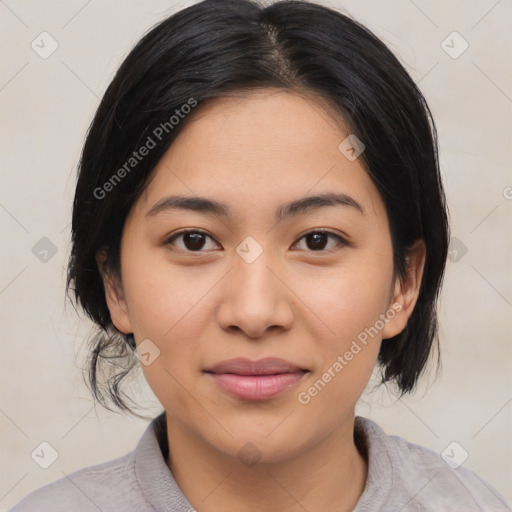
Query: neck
x=330, y=475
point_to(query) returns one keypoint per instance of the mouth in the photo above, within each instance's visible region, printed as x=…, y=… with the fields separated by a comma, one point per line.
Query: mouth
x=256, y=380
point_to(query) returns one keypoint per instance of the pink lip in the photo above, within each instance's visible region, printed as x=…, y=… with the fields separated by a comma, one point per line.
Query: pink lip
x=266, y=366
x=255, y=380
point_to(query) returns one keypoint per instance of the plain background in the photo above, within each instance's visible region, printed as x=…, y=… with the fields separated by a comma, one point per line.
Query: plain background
x=47, y=105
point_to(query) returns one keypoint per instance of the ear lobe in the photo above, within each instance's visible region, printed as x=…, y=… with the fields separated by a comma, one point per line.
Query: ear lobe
x=114, y=296
x=406, y=291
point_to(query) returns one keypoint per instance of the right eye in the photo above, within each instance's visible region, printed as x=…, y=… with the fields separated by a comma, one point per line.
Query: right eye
x=190, y=240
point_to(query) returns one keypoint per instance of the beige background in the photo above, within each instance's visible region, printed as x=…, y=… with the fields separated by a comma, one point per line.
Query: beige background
x=47, y=105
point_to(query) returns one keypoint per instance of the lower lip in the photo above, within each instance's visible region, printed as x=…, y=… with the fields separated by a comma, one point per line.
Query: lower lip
x=256, y=387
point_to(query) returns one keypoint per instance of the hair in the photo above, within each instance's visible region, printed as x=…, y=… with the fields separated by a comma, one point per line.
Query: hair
x=216, y=48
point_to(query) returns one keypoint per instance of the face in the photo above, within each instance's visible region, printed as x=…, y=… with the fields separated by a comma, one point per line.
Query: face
x=266, y=274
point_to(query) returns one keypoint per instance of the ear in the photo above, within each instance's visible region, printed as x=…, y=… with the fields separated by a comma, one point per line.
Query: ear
x=114, y=296
x=406, y=291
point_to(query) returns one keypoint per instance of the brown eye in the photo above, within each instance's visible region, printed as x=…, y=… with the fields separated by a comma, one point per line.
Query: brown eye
x=319, y=240
x=193, y=241
x=190, y=241
x=316, y=241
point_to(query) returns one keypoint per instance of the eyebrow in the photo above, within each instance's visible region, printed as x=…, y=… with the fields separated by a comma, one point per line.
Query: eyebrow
x=211, y=206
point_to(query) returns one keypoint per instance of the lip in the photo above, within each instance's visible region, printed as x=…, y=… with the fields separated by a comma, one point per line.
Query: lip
x=256, y=380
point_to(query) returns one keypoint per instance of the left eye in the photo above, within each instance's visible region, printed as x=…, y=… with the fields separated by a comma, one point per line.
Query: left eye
x=318, y=240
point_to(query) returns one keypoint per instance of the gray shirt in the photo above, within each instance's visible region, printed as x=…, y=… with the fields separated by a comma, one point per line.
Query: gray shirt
x=402, y=477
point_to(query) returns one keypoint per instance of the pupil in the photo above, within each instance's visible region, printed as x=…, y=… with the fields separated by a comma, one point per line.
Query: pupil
x=193, y=241
x=319, y=240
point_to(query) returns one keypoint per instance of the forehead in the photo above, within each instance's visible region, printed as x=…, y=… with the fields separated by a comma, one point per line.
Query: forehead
x=261, y=149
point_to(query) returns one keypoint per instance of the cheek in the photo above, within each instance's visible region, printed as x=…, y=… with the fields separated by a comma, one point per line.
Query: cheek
x=348, y=299
x=350, y=305
x=167, y=307
x=160, y=295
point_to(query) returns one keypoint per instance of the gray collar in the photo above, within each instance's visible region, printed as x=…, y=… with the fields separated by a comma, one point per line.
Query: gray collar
x=163, y=494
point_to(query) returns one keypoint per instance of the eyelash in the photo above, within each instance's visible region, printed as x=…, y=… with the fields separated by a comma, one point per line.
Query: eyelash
x=341, y=241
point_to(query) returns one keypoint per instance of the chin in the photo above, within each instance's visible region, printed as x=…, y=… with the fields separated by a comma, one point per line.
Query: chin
x=266, y=443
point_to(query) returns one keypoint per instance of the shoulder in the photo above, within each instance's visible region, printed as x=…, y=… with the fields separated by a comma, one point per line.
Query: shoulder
x=111, y=485
x=442, y=483
x=417, y=478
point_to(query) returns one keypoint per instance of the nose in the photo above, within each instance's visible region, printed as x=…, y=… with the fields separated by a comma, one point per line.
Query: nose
x=256, y=298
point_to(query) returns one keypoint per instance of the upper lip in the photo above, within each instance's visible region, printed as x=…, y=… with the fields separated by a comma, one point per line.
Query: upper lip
x=266, y=366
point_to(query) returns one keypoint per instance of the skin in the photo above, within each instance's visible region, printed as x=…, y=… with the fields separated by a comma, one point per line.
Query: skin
x=255, y=152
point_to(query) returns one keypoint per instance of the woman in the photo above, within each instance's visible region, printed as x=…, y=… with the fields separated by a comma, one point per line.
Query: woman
x=259, y=215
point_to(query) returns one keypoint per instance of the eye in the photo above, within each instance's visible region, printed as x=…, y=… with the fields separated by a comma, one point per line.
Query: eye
x=191, y=240
x=318, y=240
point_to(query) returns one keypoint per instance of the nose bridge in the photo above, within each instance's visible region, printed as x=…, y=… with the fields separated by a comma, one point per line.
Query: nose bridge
x=255, y=277
x=253, y=298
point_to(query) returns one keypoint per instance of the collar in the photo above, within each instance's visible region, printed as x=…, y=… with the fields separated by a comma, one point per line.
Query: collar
x=162, y=492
